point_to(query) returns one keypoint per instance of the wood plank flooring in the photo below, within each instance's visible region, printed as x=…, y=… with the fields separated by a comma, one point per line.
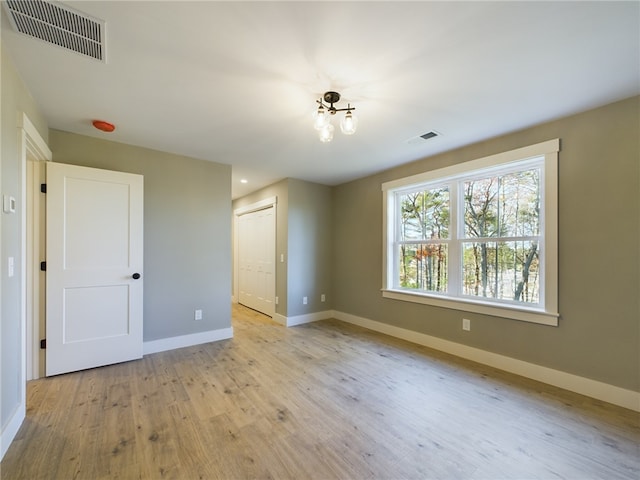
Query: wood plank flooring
x=325, y=400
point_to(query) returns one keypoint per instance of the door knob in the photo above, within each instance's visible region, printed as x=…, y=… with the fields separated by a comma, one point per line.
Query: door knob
x=136, y=276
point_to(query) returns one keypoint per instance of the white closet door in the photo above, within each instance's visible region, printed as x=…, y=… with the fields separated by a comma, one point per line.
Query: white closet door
x=256, y=259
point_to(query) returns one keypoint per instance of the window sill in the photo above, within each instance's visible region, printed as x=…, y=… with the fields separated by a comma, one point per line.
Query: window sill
x=503, y=311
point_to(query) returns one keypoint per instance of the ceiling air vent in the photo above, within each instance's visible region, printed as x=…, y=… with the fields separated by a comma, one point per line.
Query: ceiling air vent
x=423, y=138
x=428, y=135
x=58, y=24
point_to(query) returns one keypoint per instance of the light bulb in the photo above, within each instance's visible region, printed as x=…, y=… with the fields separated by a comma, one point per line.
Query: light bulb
x=326, y=133
x=320, y=118
x=349, y=123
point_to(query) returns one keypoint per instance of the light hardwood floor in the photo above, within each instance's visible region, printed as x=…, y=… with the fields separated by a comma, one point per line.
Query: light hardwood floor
x=318, y=401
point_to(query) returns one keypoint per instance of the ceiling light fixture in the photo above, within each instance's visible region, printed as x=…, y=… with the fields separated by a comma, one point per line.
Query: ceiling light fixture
x=322, y=117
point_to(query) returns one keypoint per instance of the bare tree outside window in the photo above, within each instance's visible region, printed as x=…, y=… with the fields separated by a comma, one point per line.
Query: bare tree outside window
x=424, y=224
x=501, y=237
x=499, y=244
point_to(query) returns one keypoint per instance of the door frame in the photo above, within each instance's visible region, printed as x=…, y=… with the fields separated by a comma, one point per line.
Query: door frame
x=29, y=145
x=254, y=207
x=32, y=148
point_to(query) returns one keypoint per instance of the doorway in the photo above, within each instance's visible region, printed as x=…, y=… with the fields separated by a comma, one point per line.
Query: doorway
x=92, y=292
x=34, y=154
x=255, y=256
x=34, y=276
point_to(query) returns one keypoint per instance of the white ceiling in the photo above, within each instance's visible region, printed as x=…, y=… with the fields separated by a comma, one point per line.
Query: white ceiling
x=236, y=82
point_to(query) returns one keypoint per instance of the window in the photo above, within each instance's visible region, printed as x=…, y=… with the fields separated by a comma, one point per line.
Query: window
x=479, y=236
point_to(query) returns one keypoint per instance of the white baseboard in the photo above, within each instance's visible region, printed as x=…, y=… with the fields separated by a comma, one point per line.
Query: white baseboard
x=281, y=319
x=301, y=319
x=584, y=386
x=11, y=428
x=164, y=344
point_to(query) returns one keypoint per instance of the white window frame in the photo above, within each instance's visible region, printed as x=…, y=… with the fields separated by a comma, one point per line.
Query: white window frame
x=546, y=312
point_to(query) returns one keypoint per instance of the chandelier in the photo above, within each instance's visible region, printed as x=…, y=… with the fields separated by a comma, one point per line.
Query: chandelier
x=322, y=117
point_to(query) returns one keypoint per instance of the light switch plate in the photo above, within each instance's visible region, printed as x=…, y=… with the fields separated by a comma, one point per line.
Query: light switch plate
x=8, y=204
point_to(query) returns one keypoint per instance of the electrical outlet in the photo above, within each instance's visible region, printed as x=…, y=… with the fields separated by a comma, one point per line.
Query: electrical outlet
x=323, y=297
x=304, y=300
x=466, y=324
x=198, y=315
x=276, y=300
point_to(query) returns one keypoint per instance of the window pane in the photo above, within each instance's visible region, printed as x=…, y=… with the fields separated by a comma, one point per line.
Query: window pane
x=481, y=208
x=519, y=206
x=503, y=206
x=425, y=215
x=423, y=266
x=502, y=270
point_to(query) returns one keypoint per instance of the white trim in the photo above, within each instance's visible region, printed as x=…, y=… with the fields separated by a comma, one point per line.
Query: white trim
x=302, y=319
x=515, y=312
x=512, y=155
x=585, y=386
x=550, y=227
x=171, y=343
x=10, y=430
x=281, y=319
x=254, y=207
x=30, y=146
x=309, y=317
x=36, y=144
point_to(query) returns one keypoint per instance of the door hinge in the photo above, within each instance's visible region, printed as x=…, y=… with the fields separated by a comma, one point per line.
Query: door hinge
x=43, y=343
x=43, y=187
x=43, y=266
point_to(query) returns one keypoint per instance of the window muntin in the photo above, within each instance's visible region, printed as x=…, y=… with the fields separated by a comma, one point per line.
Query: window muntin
x=472, y=236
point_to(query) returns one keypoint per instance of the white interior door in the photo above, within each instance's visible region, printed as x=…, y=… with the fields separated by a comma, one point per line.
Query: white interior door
x=94, y=267
x=256, y=258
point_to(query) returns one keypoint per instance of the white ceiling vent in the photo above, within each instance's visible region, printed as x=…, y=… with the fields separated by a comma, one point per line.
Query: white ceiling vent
x=423, y=138
x=58, y=24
